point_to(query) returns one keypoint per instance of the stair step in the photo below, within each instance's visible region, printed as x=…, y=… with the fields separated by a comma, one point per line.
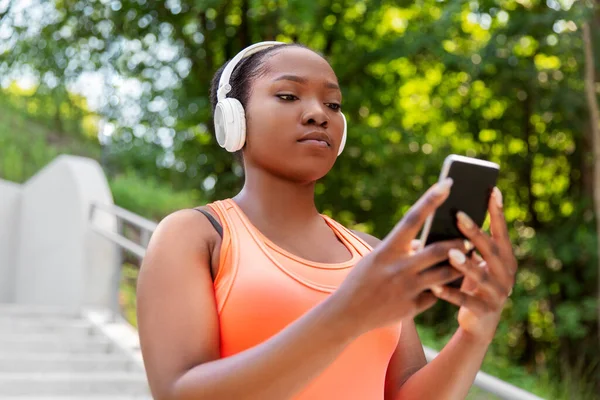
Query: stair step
x=66, y=331
x=72, y=384
x=63, y=362
x=47, y=343
x=49, y=353
x=32, y=311
x=43, y=325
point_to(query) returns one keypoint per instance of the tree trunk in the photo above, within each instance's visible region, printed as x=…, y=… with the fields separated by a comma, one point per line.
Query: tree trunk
x=244, y=32
x=586, y=165
x=592, y=101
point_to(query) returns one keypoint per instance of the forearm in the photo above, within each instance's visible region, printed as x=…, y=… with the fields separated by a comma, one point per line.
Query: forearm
x=276, y=369
x=451, y=374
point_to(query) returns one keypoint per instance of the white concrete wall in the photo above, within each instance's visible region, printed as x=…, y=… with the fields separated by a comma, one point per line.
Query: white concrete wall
x=10, y=196
x=59, y=262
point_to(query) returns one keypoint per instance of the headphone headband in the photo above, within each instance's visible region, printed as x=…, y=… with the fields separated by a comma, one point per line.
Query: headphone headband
x=224, y=86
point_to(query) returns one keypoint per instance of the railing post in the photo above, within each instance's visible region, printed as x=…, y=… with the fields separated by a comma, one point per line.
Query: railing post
x=145, y=237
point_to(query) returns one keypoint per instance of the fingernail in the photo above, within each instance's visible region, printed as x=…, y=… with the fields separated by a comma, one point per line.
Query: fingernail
x=464, y=220
x=498, y=196
x=457, y=256
x=444, y=186
x=436, y=289
x=415, y=244
x=468, y=245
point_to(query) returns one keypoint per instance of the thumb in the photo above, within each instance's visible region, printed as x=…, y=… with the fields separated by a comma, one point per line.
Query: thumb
x=399, y=239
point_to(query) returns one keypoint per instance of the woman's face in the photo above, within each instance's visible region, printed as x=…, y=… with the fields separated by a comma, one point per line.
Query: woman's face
x=296, y=100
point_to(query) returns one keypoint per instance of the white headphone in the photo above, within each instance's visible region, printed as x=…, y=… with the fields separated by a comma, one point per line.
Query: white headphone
x=230, y=119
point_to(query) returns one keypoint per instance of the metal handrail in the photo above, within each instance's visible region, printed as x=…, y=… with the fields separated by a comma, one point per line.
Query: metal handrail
x=146, y=226
x=117, y=237
x=483, y=381
x=491, y=384
x=126, y=215
x=122, y=241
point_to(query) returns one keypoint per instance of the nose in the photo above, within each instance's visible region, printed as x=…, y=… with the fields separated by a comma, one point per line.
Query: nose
x=315, y=115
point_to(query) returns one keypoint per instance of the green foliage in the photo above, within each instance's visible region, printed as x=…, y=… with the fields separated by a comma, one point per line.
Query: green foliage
x=150, y=198
x=27, y=144
x=127, y=296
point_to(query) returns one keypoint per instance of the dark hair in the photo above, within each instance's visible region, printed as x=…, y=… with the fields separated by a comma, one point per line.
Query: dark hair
x=242, y=77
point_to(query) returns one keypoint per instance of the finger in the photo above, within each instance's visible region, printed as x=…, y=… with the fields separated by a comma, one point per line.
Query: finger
x=454, y=296
x=410, y=225
x=499, y=229
x=436, y=277
x=498, y=226
x=415, y=245
x=500, y=263
x=424, y=301
x=477, y=258
x=479, y=273
x=435, y=253
x=468, y=286
x=488, y=248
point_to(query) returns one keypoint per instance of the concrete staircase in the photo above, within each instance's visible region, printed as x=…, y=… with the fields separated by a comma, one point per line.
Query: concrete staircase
x=52, y=354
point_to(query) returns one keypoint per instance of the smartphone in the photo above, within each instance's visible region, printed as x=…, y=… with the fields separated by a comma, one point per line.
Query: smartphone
x=474, y=180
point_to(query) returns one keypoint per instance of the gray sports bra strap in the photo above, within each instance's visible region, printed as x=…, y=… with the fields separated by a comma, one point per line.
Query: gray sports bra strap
x=213, y=221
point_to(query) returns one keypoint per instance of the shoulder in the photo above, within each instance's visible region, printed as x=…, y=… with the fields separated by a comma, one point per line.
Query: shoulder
x=370, y=239
x=187, y=224
x=186, y=219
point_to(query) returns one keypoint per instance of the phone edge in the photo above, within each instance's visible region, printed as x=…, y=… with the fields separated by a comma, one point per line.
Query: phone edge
x=443, y=174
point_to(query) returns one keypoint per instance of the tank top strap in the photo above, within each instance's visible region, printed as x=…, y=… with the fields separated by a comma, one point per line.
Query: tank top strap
x=362, y=247
x=229, y=253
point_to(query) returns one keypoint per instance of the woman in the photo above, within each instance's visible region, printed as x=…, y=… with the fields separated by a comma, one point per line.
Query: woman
x=264, y=298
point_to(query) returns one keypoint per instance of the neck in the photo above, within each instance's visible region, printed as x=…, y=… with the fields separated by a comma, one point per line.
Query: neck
x=270, y=201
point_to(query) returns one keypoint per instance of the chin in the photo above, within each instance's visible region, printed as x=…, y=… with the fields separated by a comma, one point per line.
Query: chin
x=308, y=172
x=300, y=168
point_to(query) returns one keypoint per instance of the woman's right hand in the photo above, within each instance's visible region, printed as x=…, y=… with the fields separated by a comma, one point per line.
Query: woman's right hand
x=391, y=283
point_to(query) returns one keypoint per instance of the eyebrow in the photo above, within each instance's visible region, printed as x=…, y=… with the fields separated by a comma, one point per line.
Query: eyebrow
x=299, y=79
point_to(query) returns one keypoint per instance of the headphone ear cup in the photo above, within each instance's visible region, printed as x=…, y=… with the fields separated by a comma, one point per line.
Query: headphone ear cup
x=238, y=137
x=343, y=142
x=221, y=123
x=230, y=124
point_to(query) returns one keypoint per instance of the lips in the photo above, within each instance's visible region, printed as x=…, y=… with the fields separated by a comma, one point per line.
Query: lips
x=319, y=137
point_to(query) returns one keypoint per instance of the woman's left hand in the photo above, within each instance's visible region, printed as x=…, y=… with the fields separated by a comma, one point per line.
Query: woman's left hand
x=488, y=279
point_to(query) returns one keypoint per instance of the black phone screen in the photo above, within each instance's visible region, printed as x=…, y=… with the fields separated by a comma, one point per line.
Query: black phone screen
x=470, y=193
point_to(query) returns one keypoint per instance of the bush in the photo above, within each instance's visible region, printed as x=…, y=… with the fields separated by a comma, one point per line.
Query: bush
x=149, y=198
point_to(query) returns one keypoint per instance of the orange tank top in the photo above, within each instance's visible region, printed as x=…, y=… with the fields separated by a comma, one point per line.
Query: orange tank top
x=261, y=288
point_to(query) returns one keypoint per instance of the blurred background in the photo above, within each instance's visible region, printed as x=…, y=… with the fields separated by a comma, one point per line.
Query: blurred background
x=126, y=82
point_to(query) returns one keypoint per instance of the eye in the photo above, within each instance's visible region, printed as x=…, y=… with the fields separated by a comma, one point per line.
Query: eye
x=334, y=106
x=287, y=97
